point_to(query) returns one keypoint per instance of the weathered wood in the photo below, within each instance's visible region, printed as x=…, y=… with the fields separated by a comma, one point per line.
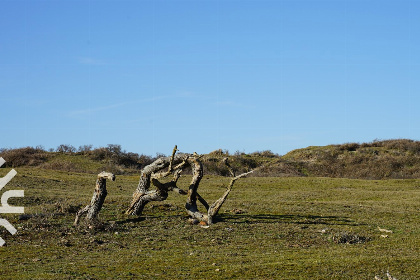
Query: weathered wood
x=98, y=198
x=170, y=167
x=213, y=210
x=150, y=175
x=142, y=196
x=136, y=207
x=157, y=195
x=191, y=205
x=215, y=207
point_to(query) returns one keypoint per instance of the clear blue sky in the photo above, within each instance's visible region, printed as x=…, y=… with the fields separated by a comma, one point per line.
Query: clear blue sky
x=237, y=75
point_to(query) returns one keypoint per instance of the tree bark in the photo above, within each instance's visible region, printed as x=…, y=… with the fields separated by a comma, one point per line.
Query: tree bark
x=150, y=173
x=212, y=210
x=142, y=195
x=215, y=207
x=98, y=198
x=191, y=205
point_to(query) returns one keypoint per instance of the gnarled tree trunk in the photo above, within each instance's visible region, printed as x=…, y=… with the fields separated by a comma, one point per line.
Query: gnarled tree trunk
x=191, y=205
x=150, y=173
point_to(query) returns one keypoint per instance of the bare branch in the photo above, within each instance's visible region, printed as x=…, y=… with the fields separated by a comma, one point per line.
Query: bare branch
x=212, y=210
x=215, y=207
x=171, y=162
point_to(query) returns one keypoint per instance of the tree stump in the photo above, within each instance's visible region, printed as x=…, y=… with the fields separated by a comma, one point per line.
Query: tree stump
x=98, y=198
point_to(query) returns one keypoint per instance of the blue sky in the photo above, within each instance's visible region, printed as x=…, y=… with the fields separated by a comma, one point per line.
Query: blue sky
x=237, y=75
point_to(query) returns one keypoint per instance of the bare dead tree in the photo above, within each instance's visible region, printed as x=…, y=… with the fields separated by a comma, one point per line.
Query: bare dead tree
x=97, y=200
x=150, y=175
x=152, y=172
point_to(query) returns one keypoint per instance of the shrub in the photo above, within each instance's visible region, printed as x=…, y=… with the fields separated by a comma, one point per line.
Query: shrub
x=85, y=149
x=113, y=154
x=100, y=154
x=215, y=166
x=24, y=156
x=115, y=149
x=350, y=147
x=266, y=153
x=219, y=152
x=66, y=149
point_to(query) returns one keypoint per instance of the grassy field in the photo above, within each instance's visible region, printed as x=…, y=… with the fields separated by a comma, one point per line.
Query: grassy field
x=269, y=228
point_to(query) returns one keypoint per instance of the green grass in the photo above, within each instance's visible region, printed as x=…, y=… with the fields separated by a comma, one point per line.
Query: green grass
x=290, y=228
x=72, y=162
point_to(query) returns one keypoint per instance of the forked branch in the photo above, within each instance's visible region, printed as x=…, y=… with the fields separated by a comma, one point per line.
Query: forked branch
x=212, y=210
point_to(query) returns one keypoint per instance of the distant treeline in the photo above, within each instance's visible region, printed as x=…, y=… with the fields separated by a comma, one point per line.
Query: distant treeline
x=114, y=159
x=380, y=159
x=35, y=156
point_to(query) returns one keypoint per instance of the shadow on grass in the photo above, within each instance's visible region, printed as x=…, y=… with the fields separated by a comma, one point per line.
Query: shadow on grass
x=256, y=219
x=147, y=217
x=289, y=219
x=130, y=220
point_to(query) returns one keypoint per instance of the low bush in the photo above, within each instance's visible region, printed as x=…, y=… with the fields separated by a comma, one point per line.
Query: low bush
x=27, y=156
x=388, y=159
x=380, y=159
